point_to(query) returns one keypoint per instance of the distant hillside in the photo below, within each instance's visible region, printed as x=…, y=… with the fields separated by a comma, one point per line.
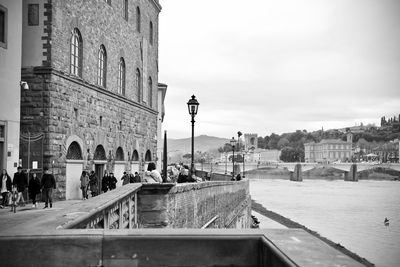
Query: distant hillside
x=202, y=143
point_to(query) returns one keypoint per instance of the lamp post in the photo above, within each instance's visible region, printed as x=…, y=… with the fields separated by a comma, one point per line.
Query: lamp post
x=193, y=106
x=233, y=144
x=244, y=159
x=226, y=162
x=239, y=133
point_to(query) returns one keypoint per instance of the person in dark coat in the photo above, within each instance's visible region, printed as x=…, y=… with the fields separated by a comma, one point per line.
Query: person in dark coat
x=105, y=182
x=5, y=187
x=34, y=188
x=136, y=178
x=20, y=181
x=48, y=184
x=93, y=184
x=112, y=181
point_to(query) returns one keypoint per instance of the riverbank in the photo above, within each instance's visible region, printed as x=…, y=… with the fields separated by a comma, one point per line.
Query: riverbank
x=291, y=224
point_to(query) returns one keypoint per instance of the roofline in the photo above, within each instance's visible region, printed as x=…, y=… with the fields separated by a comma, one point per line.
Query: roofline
x=157, y=5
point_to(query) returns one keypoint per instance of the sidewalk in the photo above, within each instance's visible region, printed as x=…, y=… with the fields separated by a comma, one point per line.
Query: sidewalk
x=267, y=223
x=34, y=219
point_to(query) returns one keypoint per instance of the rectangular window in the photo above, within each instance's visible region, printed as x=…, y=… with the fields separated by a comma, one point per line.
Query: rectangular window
x=3, y=27
x=33, y=14
x=76, y=113
x=2, y=132
x=125, y=10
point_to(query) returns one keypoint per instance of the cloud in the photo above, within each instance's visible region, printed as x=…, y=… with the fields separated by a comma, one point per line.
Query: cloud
x=275, y=66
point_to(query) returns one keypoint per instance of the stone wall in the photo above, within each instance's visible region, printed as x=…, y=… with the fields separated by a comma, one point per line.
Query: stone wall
x=192, y=205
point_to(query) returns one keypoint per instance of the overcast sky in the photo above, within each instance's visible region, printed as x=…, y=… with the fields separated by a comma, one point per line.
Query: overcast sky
x=263, y=66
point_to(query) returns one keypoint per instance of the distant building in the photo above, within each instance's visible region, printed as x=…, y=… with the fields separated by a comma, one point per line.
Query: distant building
x=329, y=150
x=10, y=83
x=388, y=152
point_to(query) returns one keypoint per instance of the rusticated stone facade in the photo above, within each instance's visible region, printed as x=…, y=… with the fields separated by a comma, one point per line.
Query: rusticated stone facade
x=194, y=205
x=87, y=126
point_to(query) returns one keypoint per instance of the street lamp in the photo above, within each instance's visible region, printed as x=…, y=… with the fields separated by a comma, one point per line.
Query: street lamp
x=239, y=133
x=226, y=155
x=193, y=106
x=233, y=144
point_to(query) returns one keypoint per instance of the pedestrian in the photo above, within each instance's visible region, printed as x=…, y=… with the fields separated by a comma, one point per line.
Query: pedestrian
x=84, y=184
x=112, y=181
x=105, y=182
x=20, y=180
x=5, y=187
x=34, y=188
x=48, y=184
x=137, y=178
x=183, y=176
x=152, y=175
x=125, y=178
x=93, y=184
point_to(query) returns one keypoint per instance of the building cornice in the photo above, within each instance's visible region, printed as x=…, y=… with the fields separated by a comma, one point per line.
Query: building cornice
x=79, y=81
x=156, y=4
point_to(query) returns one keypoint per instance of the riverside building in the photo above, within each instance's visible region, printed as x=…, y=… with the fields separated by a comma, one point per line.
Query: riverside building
x=329, y=150
x=93, y=100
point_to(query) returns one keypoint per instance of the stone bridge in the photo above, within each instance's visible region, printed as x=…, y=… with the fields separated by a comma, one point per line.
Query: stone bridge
x=350, y=169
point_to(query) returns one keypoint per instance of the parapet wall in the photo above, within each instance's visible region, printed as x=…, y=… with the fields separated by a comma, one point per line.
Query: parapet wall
x=193, y=205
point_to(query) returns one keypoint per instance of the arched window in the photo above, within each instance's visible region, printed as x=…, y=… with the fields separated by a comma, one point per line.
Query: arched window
x=150, y=91
x=138, y=19
x=135, y=155
x=119, y=155
x=121, y=76
x=151, y=33
x=74, y=151
x=99, y=153
x=76, y=53
x=147, y=157
x=102, y=67
x=138, y=83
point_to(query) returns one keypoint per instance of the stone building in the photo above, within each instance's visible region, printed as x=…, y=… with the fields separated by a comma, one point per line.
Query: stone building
x=10, y=81
x=329, y=150
x=92, y=69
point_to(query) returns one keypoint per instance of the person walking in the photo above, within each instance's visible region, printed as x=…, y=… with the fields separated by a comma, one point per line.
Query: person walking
x=125, y=178
x=48, y=184
x=84, y=184
x=34, y=188
x=5, y=187
x=93, y=184
x=105, y=182
x=20, y=181
x=112, y=181
x=136, y=178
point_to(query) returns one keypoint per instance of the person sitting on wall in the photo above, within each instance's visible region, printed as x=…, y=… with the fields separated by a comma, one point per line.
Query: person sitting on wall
x=183, y=176
x=238, y=177
x=152, y=175
x=112, y=181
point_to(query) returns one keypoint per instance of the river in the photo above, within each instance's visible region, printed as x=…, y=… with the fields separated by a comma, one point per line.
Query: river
x=349, y=213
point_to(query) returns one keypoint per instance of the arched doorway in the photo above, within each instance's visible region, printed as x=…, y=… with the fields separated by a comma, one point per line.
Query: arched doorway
x=119, y=165
x=74, y=167
x=147, y=159
x=100, y=161
x=135, y=166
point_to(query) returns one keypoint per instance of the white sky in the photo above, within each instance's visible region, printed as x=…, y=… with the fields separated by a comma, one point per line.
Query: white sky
x=263, y=66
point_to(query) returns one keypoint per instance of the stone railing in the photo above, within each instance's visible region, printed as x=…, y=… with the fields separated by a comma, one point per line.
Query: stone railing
x=116, y=209
x=219, y=204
